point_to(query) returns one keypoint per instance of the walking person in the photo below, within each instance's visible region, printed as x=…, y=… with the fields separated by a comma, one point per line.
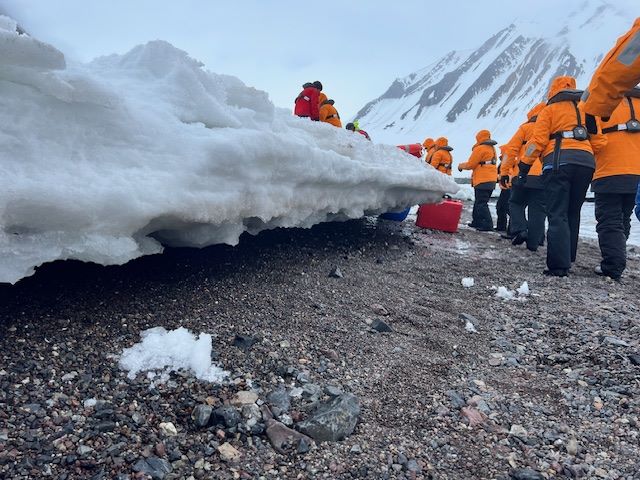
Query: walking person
x=506, y=172
x=482, y=162
x=561, y=139
x=528, y=195
x=615, y=184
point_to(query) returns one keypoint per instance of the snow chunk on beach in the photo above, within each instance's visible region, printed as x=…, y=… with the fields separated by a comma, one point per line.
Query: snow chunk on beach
x=518, y=294
x=162, y=351
x=111, y=160
x=468, y=282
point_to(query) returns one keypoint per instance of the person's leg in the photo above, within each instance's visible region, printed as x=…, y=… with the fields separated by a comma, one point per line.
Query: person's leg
x=485, y=221
x=502, y=210
x=611, y=237
x=628, y=202
x=517, y=205
x=474, y=212
x=537, y=216
x=580, y=179
x=556, y=188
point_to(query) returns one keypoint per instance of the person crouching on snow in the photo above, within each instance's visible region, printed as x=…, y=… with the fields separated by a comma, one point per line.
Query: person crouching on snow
x=329, y=114
x=355, y=127
x=483, y=161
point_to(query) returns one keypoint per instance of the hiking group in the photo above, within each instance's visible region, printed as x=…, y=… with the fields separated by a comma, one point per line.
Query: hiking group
x=572, y=140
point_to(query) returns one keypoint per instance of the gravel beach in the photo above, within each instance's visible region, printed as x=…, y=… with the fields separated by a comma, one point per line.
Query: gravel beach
x=364, y=324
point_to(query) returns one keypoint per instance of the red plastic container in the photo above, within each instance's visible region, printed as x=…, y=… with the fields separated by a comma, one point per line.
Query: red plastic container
x=443, y=216
x=415, y=149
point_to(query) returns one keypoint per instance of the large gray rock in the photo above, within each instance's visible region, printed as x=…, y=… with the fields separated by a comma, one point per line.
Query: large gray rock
x=201, y=415
x=333, y=420
x=156, y=468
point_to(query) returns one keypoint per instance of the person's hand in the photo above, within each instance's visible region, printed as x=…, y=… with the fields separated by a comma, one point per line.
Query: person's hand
x=523, y=172
x=459, y=168
x=504, y=181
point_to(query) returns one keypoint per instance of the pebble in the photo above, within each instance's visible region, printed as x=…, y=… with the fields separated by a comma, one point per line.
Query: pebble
x=380, y=326
x=168, y=429
x=228, y=453
x=244, y=398
x=201, y=415
x=333, y=420
x=335, y=273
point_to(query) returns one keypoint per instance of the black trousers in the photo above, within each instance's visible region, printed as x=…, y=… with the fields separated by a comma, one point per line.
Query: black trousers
x=531, y=224
x=565, y=192
x=481, y=216
x=613, y=214
x=502, y=210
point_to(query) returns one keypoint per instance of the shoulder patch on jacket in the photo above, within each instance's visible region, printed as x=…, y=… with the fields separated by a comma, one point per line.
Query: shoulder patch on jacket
x=631, y=52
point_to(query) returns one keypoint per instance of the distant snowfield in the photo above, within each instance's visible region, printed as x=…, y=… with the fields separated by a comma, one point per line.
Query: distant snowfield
x=111, y=160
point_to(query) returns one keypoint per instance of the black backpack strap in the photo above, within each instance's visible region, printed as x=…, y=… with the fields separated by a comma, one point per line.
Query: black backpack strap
x=632, y=109
x=575, y=105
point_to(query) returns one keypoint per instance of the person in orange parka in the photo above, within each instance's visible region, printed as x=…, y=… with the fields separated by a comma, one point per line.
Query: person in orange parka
x=502, y=205
x=483, y=161
x=329, y=114
x=561, y=139
x=530, y=196
x=615, y=183
x=441, y=158
x=618, y=73
x=429, y=148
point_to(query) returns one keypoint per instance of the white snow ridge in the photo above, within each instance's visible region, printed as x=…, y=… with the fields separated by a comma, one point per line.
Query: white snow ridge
x=111, y=160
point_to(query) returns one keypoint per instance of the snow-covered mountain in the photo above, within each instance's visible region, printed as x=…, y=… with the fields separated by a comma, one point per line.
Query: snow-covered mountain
x=495, y=85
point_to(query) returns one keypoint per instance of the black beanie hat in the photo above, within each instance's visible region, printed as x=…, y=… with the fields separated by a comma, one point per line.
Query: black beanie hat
x=318, y=85
x=307, y=85
x=350, y=126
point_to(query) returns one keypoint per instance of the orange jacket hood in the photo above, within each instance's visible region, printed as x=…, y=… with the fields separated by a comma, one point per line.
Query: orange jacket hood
x=428, y=143
x=535, y=110
x=561, y=83
x=482, y=136
x=442, y=142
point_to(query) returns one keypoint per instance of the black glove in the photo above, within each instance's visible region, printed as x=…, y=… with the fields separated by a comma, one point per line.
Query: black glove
x=523, y=172
x=459, y=169
x=592, y=125
x=504, y=180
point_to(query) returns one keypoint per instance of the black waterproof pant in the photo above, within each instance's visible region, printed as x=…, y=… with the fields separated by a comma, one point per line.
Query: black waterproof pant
x=531, y=224
x=502, y=210
x=613, y=214
x=565, y=192
x=481, y=216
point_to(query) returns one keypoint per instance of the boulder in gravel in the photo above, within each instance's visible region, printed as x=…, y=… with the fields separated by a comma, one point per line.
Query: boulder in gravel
x=285, y=439
x=335, y=273
x=380, y=326
x=244, y=342
x=201, y=415
x=526, y=474
x=280, y=399
x=634, y=359
x=155, y=467
x=227, y=416
x=333, y=420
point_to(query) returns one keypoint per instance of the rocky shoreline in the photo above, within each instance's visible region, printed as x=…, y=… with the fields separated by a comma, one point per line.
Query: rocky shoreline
x=355, y=335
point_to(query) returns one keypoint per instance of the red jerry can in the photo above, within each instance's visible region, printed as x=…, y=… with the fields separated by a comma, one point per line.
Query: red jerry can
x=443, y=216
x=415, y=149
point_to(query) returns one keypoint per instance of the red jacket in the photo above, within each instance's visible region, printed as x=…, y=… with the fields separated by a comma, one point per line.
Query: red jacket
x=308, y=103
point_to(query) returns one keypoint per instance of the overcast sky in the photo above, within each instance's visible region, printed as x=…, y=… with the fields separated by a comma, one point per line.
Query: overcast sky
x=355, y=48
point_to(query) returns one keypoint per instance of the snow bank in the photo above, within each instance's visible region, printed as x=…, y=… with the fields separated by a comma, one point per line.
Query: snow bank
x=169, y=351
x=468, y=282
x=111, y=160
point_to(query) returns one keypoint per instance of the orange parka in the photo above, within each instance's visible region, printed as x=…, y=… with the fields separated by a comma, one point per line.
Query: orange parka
x=621, y=154
x=483, y=160
x=618, y=73
x=559, y=117
x=429, y=147
x=329, y=114
x=515, y=149
x=441, y=159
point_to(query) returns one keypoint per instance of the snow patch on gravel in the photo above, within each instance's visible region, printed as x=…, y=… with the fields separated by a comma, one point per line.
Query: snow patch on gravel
x=168, y=351
x=519, y=294
x=468, y=282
